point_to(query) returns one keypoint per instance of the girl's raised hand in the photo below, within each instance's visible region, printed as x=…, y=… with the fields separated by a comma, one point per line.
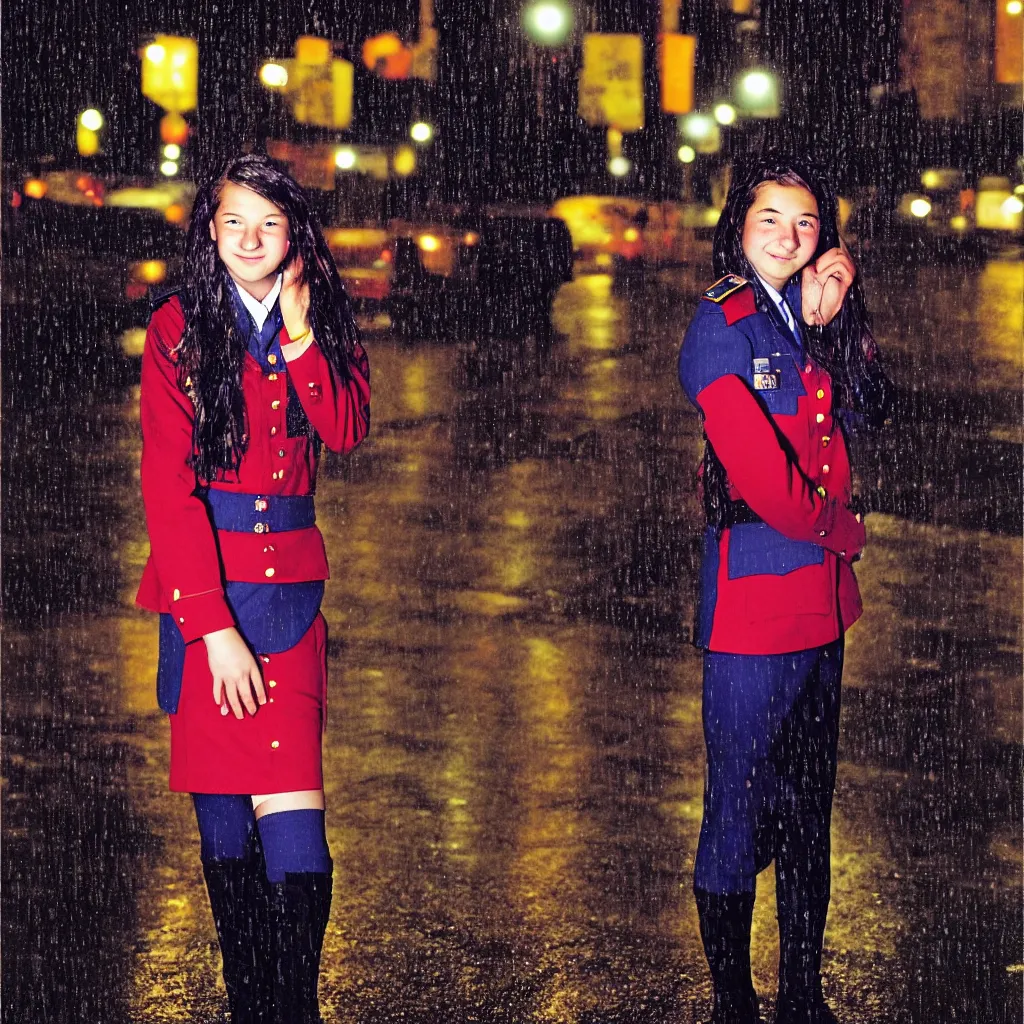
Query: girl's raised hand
x=294, y=298
x=824, y=284
x=236, y=676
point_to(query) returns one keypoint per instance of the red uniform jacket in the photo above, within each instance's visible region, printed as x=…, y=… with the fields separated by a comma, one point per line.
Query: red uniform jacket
x=786, y=583
x=189, y=560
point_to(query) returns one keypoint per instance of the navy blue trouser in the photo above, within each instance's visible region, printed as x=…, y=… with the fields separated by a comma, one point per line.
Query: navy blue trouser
x=771, y=727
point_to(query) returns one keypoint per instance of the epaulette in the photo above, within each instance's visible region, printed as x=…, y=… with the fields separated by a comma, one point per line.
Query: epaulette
x=735, y=297
x=722, y=289
x=158, y=296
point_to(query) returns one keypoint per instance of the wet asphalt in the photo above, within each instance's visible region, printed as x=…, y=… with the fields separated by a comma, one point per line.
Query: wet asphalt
x=514, y=760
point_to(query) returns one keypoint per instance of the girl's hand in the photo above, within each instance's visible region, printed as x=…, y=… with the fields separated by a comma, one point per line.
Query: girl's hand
x=294, y=298
x=236, y=676
x=824, y=284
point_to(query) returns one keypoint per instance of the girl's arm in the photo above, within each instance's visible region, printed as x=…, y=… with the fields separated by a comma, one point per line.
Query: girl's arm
x=712, y=366
x=181, y=537
x=340, y=411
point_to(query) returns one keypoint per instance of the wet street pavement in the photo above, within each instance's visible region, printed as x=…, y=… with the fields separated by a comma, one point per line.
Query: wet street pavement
x=514, y=761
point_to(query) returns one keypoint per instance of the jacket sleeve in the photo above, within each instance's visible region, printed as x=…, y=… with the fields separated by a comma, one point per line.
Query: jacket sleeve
x=713, y=365
x=181, y=537
x=340, y=411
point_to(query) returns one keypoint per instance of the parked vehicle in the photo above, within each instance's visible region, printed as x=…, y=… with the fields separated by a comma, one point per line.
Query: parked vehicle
x=492, y=272
x=629, y=236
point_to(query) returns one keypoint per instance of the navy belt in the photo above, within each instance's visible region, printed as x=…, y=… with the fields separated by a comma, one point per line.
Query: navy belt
x=260, y=513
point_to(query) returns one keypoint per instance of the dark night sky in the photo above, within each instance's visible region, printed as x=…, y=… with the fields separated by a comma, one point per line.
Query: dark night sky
x=59, y=58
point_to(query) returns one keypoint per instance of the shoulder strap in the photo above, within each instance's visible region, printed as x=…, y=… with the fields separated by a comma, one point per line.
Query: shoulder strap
x=158, y=296
x=734, y=295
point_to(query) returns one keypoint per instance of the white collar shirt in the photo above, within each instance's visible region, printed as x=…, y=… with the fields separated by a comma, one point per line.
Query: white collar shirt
x=258, y=310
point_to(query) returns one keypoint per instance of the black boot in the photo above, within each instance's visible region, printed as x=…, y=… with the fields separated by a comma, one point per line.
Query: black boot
x=299, y=909
x=239, y=899
x=725, y=930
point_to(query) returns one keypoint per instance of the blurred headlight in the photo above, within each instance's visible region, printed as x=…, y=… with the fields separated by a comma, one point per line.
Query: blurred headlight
x=149, y=271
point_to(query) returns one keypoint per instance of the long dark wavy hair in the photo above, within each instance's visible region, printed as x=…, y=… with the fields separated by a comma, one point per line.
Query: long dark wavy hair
x=212, y=349
x=845, y=347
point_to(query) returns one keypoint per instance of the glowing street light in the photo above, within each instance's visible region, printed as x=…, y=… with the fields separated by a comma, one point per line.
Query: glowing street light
x=345, y=158
x=172, y=151
x=91, y=119
x=687, y=154
x=725, y=113
x=548, y=22
x=757, y=93
x=920, y=207
x=155, y=53
x=619, y=166
x=1014, y=7
x=273, y=75
x=421, y=132
x=169, y=168
x=702, y=132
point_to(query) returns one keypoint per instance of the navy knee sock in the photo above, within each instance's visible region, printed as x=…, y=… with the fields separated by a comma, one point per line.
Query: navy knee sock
x=294, y=842
x=227, y=826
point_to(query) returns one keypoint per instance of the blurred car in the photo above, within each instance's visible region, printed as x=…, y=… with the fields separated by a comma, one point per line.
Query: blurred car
x=489, y=272
x=84, y=248
x=938, y=220
x=364, y=258
x=629, y=236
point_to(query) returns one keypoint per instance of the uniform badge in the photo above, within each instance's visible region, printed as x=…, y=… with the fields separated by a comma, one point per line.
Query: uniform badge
x=764, y=378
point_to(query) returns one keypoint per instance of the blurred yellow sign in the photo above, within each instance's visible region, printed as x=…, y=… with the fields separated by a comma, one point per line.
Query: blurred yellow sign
x=1009, y=45
x=170, y=72
x=612, y=81
x=312, y=50
x=320, y=94
x=676, y=54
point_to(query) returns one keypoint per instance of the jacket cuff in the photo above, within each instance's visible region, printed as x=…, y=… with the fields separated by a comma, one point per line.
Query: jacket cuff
x=839, y=531
x=199, y=614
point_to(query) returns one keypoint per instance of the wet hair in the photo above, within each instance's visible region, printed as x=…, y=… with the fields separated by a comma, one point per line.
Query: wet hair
x=212, y=348
x=845, y=347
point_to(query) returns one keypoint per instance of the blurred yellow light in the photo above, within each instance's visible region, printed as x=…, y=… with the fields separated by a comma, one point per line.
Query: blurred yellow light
x=274, y=76
x=470, y=238
x=1012, y=206
x=155, y=53
x=179, y=60
x=35, y=188
x=757, y=84
x=725, y=113
x=150, y=271
x=931, y=179
x=405, y=161
x=168, y=168
x=958, y=223
x=91, y=119
x=172, y=151
x=920, y=207
x=87, y=141
x=631, y=234
x=619, y=166
x=1014, y=7
x=345, y=158
x=687, y=154
x=174, y=214
x=428, y=243
x=421, y=132
x=1019, y=190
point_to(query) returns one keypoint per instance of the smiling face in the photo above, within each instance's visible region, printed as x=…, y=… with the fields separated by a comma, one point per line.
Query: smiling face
x=252, y=238
x=780, y=231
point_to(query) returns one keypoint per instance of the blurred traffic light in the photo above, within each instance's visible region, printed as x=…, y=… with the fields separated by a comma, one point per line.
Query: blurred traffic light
x=87, y=133
x=170, y=72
